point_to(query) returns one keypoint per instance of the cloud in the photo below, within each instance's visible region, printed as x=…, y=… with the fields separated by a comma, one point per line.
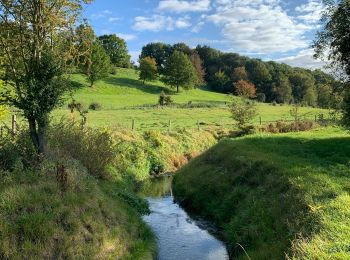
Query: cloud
x=158, y=23
x=135, y=56
x=101, y=14
x=125, y=36
x=262, y=26
x=178, y=6
x=303, y=59
x=310, y=12
x=113, y=19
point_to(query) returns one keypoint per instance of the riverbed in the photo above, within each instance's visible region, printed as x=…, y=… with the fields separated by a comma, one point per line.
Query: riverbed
x=178, y=235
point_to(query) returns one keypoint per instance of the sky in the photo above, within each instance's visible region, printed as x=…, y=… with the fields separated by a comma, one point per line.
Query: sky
x=279, y=30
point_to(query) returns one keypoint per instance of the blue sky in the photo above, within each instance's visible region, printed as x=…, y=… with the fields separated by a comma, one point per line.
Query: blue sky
x=267, y=29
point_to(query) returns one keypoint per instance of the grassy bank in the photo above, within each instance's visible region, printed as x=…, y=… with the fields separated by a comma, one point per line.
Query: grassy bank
x=275, y=195
x=89, y=210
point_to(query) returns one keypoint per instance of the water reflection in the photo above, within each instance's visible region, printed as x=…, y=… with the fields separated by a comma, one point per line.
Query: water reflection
x=178, y=235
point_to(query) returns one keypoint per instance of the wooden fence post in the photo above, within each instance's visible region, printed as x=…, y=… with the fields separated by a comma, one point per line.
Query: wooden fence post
x=169, y=125
x=260, y=120
x=198, y=125
x=14, y=124
x=133, y=125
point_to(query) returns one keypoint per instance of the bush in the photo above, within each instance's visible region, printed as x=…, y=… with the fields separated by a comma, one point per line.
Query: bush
x=95, y=106
x=92, y=147
x=164, y=100
x=114, y=70
x=260, y=97
x=243, y=111
x=285, y=127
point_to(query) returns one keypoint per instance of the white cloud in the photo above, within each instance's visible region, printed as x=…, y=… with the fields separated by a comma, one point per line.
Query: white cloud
x=262, y=26
x=303, y=59
x=158, y=23
x=310, y=12
x=113, y=19
x=135, y=56
x=125, y=36
x=102, y=14
x=178, y=6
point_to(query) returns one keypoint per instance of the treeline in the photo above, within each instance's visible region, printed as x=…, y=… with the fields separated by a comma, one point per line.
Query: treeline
x=265, y=81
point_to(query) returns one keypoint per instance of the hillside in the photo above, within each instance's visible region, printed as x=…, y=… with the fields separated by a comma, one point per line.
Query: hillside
x=124, y=98
x=275, y=194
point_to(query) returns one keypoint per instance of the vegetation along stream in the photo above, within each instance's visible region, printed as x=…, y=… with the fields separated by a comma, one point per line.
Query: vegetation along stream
x=178, y=235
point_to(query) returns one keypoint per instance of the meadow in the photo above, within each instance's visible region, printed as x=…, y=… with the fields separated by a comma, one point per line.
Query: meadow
x=277, y=196
x=124, y=98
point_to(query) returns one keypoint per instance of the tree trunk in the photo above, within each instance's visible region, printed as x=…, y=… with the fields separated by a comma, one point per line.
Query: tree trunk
x=41, y=136
x=33, y=133
x=177, y=89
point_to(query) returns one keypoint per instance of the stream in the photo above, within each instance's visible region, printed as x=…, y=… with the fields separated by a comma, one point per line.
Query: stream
x=179, y=236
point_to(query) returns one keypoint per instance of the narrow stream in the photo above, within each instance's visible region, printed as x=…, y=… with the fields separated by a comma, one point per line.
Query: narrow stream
x=179, y=236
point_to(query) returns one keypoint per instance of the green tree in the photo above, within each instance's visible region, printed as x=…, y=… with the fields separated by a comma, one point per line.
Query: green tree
x=36, y=42
x=85, y=38
x=159, y=51
x=148, y=69
x=334, y=38
x=97, y=65
x=221, y=82
x=179, y=71
x=283, y=90
x=324, y=96
x=198, y=66
x=243, y=112
x=116, y=48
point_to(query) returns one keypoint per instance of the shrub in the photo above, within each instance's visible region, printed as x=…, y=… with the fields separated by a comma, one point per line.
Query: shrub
x=243, y=113
x=285, y=127
x=95, y=106
x=164, y=100
x=92, y=147
x=260, y=97
x=114, y=70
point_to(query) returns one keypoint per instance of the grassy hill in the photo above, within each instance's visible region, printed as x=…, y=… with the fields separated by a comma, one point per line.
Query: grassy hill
x=275, y=195
x=124, y=98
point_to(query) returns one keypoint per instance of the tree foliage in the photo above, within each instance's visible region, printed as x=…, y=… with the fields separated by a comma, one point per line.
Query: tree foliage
x=148, y=69
x=37, y=44
x=179, y=71
x=245, y=89
x=116, y=48
x=97, y=65
x=243, y=112
x=159, y=51
x=334, y=38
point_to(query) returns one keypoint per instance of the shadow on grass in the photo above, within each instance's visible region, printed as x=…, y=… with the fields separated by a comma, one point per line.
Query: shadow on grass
x=136, y=84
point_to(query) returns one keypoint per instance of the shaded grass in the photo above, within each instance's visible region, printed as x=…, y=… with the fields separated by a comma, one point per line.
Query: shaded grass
x=275, y=195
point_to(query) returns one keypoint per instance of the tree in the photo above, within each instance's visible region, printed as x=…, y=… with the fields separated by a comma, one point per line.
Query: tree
x=36, y=42
x=179, y=71
x=243, y=112
x=148, y=69
x=116, y=49
x=334, y=38
x=245, y=89
x=198, y=66
x=324, y=96
x=159, y=51
x=181, y=47
x=85, y=38
x=283, y=90
x=260, y=76
x=221, y=82
x=239, y=73
x=98, y=64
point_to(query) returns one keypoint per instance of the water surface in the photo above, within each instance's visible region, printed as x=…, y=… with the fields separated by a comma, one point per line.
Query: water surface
x=179, y=236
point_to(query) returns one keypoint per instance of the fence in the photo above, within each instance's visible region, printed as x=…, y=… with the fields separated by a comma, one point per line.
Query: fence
x=172, y=125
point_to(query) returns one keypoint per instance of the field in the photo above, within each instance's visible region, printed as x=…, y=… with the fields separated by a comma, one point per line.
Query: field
x=275, y=195
x=124, y=98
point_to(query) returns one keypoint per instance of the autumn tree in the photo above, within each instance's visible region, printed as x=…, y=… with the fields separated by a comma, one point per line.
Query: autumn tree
x=148, y=69
x=240, y=73
x=37, y=44
x=179, y=72
x=97, y=65
x=198, y=66
x=116, y=49
x=245, y=89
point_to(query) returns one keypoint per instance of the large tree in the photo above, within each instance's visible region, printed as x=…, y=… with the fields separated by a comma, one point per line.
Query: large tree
x=179, y=71
x=334, y=39
x=37, y=43
x=159, y=51
x=116, y=49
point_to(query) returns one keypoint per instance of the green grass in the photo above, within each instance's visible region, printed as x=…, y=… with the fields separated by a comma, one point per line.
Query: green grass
x=124, y=98
x=275, y=195
x=38, y=221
